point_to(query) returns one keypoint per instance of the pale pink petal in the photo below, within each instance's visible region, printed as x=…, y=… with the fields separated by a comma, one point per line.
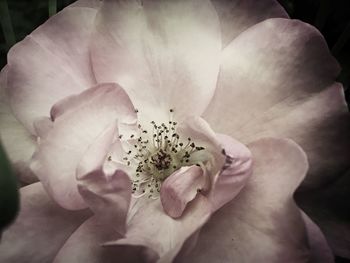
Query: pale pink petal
x=96, y=154
x=320, y=125
x=180, y=188
x=50, y=64
x=57, y=158
x=86, y=245
x=164, y=53
x=237, y=15
x=108, y=197
x=234, y=174
x=19, y=144
x=40, y=230
x=262, y=224
x=285, y=64
x=42, y=127
x=149, y=226
x=320, y=251
x=229, y=160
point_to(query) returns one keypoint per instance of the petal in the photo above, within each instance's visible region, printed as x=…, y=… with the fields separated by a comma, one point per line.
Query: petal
x=57, y=158
x=107, y=196
x=180, y=188
x=50, y=64
x=158, y=57
x=85, y=245
x=236, y=16
x=285, y=64
x=233, y=175
x=262, y=224
x=229, y=161
x=18, y=142
x=149, y=226
x=40, y=229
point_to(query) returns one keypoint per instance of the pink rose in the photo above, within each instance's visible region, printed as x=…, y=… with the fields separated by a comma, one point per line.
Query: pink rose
x=167, y=131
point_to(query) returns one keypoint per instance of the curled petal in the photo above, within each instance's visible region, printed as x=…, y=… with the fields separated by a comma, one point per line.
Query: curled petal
x=180, y=188
x=234, y=174
x=59, y=154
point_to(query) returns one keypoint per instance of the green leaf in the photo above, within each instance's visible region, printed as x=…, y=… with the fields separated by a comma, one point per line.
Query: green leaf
x=9, y=201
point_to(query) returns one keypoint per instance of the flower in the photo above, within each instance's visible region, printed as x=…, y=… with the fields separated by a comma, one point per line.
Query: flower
x=156, y=130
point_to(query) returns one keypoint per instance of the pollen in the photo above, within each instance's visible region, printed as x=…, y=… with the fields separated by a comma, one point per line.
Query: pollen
x=156, y=154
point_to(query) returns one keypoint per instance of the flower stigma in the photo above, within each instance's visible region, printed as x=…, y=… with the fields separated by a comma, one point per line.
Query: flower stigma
x=156, y=155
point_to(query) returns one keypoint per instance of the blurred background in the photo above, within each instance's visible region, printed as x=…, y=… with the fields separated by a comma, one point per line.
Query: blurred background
x=18, y=18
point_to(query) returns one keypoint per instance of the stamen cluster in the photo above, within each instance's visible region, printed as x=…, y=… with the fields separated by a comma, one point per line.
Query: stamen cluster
x=157, y=155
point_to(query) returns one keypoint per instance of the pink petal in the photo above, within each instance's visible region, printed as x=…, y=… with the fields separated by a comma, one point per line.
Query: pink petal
x=40, y=229
x=86, y=245
x=107, y=196
x=285, y=64
x=149, y=226
x=229, y=159
x=234, y=173
x=236, y=15
x=50, y=64
x=18, y=142
x=262, y=224
x=59, y=153
x=180, y=188
x=157, y=57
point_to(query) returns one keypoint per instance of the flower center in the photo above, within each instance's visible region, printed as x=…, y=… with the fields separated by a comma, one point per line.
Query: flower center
x=156, y=155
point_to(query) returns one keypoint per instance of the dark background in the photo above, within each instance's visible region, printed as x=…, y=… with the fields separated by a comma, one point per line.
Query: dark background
x=332, y=17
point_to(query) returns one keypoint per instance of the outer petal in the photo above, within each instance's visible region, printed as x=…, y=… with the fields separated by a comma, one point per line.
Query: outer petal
x=18, y=142
x=236, y=15
x=262, y=224
x=40, y=230
x=86, y=245
x=59, y=153
x=164, y=53
x=285, y=64
x=50, y=64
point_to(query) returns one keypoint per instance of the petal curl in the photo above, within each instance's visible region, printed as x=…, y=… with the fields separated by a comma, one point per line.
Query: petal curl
x=50, y=64
x=263, y=216
x=58, y=155
x=286, y=64
x=236, y=16
x=157, y=57
x=180, y=188
x=40, y=229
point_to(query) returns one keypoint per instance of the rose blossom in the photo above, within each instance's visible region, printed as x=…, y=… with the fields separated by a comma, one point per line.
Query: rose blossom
x=164, y=131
